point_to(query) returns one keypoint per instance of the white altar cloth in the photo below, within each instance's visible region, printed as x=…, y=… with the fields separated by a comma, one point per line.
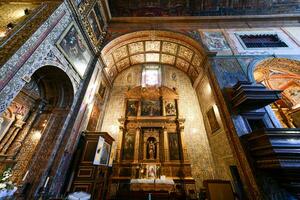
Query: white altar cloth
x=154, y=181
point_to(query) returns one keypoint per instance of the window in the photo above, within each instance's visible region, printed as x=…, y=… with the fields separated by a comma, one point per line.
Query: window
x=151, y=75
x=262, y=41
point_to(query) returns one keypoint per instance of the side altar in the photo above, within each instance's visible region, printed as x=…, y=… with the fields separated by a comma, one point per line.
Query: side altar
x=151, y=152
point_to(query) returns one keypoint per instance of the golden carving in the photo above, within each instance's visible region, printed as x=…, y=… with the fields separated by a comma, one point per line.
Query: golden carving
x=182, y=64
x=137, y=47
x=152, y=57
x=136, y=59
x=185, y=53
x=120, y=53
x=167, y=59
x=169, y=47
x=123, y=64
x=152, y=45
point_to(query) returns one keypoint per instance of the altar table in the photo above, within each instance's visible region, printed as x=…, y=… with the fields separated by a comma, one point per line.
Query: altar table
x=152, y=185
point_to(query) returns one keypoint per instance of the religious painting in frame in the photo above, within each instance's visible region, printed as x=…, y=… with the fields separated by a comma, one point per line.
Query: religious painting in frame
x=173, y=139
x=75, y=49
x=170, y=107
x=102, y=90
x=212, y=119
x=112, y=154
x=151, y=171
x=132, y=108
x=128, y=146
x=98, y=151
x=99, y=15
x=151, y=108
x=94, y=24
x=104, y=157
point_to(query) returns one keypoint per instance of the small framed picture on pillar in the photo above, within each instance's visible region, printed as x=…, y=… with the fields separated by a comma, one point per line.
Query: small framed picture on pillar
x=212, y=119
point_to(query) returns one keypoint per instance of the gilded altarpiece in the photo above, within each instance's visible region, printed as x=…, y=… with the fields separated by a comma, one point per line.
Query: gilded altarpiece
x=152, y=144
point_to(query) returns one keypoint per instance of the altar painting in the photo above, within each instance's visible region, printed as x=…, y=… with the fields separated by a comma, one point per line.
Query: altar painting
x=151, y=171
x=132, y=108
x=128, y=149
x=174, y=146
x=170, y=107
x=151, y=108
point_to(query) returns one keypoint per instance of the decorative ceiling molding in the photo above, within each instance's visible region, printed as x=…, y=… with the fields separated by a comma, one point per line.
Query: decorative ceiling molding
x=163, y=47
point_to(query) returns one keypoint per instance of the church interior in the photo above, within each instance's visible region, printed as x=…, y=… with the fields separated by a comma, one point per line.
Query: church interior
x=154, y=100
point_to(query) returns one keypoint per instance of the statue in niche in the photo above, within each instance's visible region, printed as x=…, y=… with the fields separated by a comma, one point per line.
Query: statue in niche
x=151, y=148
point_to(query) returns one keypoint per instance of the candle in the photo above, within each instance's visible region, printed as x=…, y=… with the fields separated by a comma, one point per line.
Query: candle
x=25, y=175
x=46, y=183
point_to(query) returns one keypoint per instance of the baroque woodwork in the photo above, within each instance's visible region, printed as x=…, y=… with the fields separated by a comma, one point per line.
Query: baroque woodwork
x=88, y=177
x=150, y=143
x=276, y=151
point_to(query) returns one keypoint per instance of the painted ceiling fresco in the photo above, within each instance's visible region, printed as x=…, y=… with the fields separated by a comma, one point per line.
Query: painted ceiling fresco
x=144, y=8
x=281, y=74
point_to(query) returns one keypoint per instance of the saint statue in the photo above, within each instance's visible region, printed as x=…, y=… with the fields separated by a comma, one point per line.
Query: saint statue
x=151, y=149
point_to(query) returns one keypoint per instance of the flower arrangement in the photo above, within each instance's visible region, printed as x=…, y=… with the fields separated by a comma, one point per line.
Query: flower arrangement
x=7, y=188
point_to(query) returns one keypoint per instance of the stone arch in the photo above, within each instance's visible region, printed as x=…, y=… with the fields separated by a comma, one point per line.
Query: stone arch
x=42, y=129
x=154, y=46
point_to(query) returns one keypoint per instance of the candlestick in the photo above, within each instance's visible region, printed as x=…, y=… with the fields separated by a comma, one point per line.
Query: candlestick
x=46, y=183
x=23, y=179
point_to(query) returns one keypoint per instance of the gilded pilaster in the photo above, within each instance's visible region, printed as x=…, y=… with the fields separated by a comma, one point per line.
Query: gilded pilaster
x=136, y=145
x=184, y=147
x=166, y=145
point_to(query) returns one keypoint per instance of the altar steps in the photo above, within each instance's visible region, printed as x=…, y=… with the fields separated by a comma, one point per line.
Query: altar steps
x=155, y=195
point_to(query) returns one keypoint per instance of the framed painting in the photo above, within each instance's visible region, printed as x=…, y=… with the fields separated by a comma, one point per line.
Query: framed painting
x=99, y=16
x=212, y=119
x=170, y=107
x=104, y=156
x=132, y=108
x=75, y=49
x=174, y=146
x=102, y=90
x=98, y=151
x=151, y=108
x=112, y=154
x=94, y=24
x=128, y=146
x=151, y=171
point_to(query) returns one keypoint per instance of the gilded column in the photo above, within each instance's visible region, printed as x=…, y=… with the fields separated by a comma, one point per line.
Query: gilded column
x=120, y=138
x=18, y=126
x=136, y=145
x=15, y=147
x=184, y=148
x=166, y=145
x=7, y=136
